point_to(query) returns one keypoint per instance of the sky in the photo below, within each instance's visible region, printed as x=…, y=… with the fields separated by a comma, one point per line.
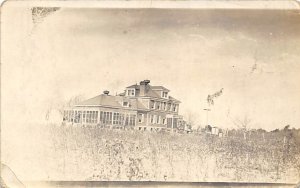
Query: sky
x=253, y=55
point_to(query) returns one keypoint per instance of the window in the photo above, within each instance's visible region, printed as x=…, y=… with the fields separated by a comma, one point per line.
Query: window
x=71, y=116
x=125, y=103
x=65, y=115
x=152, y=119
x=151, y=104
x=158, y=120
x=174, y=107
x=76, y=117
x=79, y=117
x=122, y=116
x=140, y=118
x=163, y=105
x=91, y=117
x=169, y=106
x=126, y=120
x=83, y=117
x=165, y=94
x=157, y=105
x=117, y=119
x=88, y=116
x=101, y=117
x=106, y=118
x=95, y=120
x=131, y=92
x=175, y=123
x=109, y=118
x=132, y=120
x=169, y=122
x=164, y=121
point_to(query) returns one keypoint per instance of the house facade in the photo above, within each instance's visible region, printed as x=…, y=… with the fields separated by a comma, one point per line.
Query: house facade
x=140, y=106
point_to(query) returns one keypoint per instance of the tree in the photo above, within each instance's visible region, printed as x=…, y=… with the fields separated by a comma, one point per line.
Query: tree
x=190, y=118
x=286, y=128
x=243, y=125
x=275, y=131
x=208, y=128
x=69, y=103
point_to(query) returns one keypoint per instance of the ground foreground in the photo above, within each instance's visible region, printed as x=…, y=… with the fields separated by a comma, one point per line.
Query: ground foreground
x=55, y=153
x=76, y=153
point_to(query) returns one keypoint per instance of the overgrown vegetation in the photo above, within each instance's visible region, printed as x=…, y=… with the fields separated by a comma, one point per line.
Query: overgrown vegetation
x=102, y=154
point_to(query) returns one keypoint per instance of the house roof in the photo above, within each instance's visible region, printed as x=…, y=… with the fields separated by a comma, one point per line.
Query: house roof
x=159, y=88
x=137, y=104
x=101, y=100
x=117, y=101
x=150, y=91
x=121, y=94
x=135, y=86
x=112, y=101
x=172, y=98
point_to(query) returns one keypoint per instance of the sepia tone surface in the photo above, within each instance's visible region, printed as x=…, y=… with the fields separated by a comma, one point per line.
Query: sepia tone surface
x=246, y=61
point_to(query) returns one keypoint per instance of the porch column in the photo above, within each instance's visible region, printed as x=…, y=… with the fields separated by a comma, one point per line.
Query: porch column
x=98, y=119
x=136, y=120
x=147, y=123
x=112, y=120
x=73, y=116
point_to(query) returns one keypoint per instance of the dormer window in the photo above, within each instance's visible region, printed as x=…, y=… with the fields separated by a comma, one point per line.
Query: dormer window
x=164, y=94
x=131, y=92
x=125, y=103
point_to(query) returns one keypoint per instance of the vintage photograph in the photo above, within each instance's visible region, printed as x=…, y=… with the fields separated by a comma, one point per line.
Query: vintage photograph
x=95, y=96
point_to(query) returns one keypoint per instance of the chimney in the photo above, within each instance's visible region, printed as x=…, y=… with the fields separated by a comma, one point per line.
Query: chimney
x=147, y=82
x=105, y=92
x=144, y=87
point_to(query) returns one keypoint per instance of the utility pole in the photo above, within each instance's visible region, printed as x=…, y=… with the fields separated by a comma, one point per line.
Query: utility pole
x=207, y=110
